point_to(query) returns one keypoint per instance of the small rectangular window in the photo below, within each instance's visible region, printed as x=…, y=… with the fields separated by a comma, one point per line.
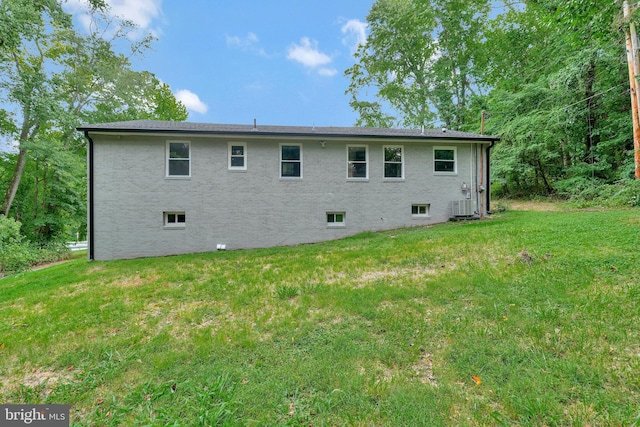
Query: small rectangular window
x=178, y=159
x=444, y=160
x=420, y=210
x=175, y=219
x=335, y=219
x=290, y=161
x=357, y=161
x=237, y=156
x=393, y=162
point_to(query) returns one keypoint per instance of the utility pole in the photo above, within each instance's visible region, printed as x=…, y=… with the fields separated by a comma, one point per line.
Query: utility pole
x=631, y=39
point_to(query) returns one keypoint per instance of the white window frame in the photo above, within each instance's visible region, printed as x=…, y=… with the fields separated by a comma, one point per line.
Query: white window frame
x=231, y=155
x=419, y=214
x=455, y=160
x=283, y=144
x=366, y=162
x=176, y=223
x=168, y=159
x=385, y=162
x=333, y=219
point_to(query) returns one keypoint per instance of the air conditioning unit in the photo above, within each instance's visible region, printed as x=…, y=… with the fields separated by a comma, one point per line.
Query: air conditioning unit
x=466, y=207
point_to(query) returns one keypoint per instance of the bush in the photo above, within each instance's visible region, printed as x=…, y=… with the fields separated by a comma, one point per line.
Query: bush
x=16, y=254
x=9, y=231
x=624, y=193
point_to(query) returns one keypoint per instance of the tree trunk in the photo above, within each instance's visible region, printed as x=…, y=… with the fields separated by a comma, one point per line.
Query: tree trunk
x=590, y=139
x=547, y=186
x=15, y=181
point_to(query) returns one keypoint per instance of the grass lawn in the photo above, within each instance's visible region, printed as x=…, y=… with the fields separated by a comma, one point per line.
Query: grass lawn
x=523, y=319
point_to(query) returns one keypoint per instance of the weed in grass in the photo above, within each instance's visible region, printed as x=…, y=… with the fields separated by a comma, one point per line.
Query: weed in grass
x=285, y=292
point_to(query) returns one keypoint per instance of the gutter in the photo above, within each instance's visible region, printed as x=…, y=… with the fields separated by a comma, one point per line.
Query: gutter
x=90, y=196
x=287, y=134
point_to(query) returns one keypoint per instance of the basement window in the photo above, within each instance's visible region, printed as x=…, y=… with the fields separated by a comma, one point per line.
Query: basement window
x=420, y=210
x=175, y=219
x=335, y=219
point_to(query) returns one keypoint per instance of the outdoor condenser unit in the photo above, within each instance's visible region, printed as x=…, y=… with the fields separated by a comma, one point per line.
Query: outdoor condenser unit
x=466, y=207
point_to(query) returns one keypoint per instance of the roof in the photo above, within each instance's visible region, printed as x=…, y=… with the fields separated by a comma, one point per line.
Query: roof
x=156, y=126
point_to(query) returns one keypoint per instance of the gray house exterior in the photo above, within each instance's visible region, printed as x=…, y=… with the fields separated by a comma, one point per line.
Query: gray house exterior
x=164, y=188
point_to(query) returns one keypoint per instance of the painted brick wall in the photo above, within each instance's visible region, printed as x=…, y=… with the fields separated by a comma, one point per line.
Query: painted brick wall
x=256, y=208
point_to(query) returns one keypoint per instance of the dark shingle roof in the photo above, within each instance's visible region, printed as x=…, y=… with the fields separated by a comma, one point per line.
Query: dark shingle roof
x=155, y=126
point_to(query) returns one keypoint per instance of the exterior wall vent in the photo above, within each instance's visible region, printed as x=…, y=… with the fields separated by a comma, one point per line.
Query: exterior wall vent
x=466, y=207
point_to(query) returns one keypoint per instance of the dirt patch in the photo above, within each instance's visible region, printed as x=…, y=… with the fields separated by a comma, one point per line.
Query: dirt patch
x=49, y=264
x=530, y=205
x=44, y=380
x=424, y=370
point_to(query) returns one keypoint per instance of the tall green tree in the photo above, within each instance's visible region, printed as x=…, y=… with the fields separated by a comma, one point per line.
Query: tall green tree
x=419, y=59
x=25, y=53
x=558, y=99
x=551, y=74
x=54, y=78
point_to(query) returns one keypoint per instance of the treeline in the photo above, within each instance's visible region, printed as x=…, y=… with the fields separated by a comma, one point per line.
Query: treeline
x=54, y=77
x=550, y=75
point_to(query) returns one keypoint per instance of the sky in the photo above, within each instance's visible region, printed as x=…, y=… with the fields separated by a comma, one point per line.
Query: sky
x=280, y=62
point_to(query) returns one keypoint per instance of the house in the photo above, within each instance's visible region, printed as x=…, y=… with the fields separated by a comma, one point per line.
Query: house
x=163, y=188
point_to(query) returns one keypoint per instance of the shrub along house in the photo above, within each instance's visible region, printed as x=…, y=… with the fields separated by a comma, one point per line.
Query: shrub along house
x=163, y=188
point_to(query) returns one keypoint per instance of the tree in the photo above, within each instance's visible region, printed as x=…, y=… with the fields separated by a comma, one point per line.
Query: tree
x=551, y=75
x=54, y=79
x=419, y=57
x=24, y=28
x=558, y=85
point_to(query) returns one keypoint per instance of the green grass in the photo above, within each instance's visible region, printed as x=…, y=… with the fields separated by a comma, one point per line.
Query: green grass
x=381, y=329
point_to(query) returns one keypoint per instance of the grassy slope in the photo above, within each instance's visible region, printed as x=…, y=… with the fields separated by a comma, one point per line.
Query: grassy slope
x=527, y=318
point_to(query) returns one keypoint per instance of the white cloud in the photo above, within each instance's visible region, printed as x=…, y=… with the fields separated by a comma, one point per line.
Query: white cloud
x=242, y=42
x=327, y=72
x=141, y=12
x=246, y=43
x=355, y=34
x=307, y=54
x=191, y=101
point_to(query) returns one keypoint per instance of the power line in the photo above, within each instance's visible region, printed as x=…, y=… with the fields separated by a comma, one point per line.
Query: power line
x=594, y=95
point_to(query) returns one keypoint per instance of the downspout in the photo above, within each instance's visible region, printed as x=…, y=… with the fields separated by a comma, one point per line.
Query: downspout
x=477, y=179
x=480, y=187
x=488, y=186
x=90, y=195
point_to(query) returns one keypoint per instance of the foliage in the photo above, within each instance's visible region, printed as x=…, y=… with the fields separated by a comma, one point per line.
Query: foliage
x=18, y=254
x=565, y=117
x=527, y=318
x=53, y=79
x=9, y=232
x=419, y=58
x=552, y=77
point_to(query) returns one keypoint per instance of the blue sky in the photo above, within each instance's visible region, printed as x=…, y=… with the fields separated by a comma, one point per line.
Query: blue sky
x=281, y=62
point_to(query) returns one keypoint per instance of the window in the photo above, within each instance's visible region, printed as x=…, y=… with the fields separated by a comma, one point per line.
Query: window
x=393, y=162
x=357, y=160
x=175, y=219
x=290, y=161
x=335, y=219
x=420, y=210
x=237, y=156
x=178, y=159
x=444, y=160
